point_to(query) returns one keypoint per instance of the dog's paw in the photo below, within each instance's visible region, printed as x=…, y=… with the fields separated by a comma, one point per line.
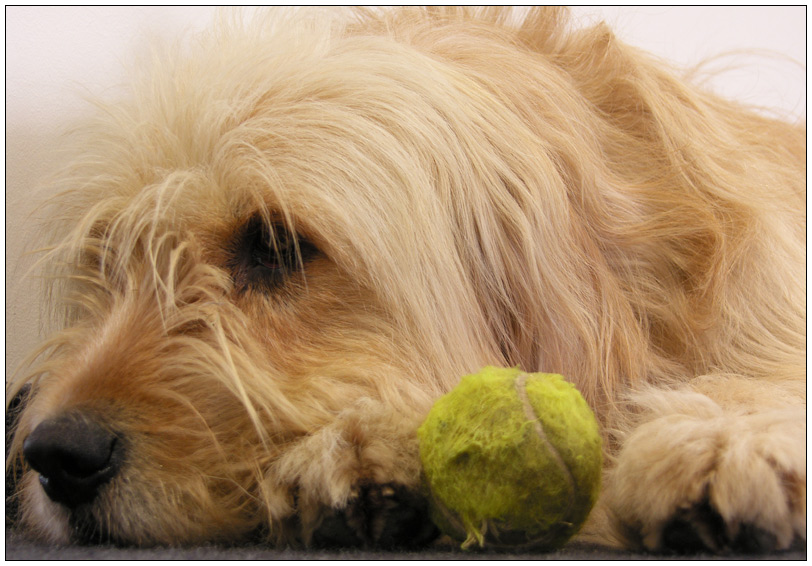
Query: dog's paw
x=357, y=482
x=713, y=483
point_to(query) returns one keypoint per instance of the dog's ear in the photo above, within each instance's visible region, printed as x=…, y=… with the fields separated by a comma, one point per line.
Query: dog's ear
x=518, y=161
x=612, y=214
x=528, y=202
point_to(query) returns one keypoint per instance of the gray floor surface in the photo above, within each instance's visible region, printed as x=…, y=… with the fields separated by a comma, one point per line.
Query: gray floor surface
x=20, y=548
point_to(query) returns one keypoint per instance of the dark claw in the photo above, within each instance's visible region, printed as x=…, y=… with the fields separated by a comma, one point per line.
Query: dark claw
x=702, y=529
x=406, y=523
x=753, y=540
x=336, y=531
x=694, y=530
x=380, y=516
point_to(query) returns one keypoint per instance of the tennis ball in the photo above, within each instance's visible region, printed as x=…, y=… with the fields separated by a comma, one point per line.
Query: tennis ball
x=511, y=460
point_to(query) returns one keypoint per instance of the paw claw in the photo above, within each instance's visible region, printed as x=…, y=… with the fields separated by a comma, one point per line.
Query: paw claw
x=381, y=516
x=694, y=530
x=752, y=540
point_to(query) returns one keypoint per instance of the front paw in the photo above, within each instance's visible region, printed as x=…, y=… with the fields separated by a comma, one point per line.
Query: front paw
x=357, y=481
x=713, y=483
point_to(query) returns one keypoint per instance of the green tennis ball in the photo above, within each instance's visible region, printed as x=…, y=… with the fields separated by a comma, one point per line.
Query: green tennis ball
x=511, y=460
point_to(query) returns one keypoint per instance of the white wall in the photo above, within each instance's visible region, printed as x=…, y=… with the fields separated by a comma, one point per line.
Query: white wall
x=54, y=54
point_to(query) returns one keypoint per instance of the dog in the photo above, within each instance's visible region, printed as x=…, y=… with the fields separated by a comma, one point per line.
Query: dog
x=298, y=232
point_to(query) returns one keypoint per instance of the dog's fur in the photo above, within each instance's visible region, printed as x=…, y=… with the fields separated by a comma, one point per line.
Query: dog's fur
x=446, y=190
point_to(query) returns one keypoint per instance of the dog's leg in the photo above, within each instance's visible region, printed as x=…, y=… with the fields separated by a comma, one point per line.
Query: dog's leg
x=720, y=467
x=356, y=481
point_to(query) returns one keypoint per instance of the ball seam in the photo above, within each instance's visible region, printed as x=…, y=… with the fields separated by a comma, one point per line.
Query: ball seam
x=535, y=420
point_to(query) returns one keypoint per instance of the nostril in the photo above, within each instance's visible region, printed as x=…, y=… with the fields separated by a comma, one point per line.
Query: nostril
x=74, y=455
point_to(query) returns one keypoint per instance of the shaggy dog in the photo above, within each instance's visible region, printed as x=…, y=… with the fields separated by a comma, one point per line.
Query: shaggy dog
x=298, y=233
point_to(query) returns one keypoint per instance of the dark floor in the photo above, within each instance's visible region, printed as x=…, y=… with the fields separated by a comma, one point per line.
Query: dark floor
x=19, y=548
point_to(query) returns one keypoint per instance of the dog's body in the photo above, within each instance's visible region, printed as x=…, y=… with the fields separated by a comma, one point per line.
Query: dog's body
x=289, y=243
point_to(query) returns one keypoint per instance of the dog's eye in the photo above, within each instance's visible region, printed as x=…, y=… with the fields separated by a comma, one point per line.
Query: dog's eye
x=263, y=257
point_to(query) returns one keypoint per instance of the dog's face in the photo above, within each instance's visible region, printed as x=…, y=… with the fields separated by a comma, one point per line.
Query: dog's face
x=269, y=247
x=188, y=368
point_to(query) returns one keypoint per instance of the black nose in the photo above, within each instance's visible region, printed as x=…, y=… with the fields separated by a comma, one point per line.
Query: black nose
x=74, y=456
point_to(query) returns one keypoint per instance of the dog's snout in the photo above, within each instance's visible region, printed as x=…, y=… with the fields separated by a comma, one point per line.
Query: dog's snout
x=74, y=456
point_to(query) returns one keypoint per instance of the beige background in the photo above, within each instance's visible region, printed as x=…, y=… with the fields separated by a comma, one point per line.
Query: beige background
x=54, y=54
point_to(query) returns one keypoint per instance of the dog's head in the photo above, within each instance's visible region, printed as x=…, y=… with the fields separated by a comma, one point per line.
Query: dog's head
x=285, y=221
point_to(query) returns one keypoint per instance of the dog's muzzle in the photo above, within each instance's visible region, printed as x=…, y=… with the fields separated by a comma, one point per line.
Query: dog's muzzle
x=74, y=456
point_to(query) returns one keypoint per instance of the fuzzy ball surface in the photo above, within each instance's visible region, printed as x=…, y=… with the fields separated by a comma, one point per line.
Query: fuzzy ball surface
x=511, y=460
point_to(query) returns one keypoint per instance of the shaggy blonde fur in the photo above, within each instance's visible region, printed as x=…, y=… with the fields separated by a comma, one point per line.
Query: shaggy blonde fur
x=476, y=192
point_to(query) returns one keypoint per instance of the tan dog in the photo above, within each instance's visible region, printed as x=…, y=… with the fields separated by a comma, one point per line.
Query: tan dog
x=298, y=233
